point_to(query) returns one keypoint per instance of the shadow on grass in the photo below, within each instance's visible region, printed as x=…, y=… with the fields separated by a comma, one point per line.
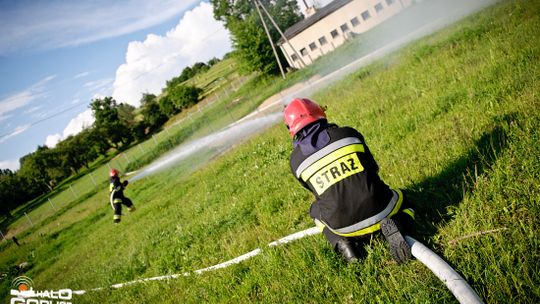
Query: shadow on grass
x=433, y=196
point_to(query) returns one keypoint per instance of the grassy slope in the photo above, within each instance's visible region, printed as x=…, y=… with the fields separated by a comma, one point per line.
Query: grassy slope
x=454, y=119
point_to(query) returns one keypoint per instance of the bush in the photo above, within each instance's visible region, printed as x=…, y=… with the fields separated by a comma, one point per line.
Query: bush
x=184, y=96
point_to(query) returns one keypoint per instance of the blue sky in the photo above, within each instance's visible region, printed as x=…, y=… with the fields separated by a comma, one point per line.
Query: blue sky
x=56, y=56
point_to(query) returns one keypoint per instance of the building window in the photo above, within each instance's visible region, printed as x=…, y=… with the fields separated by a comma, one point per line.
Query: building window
x=390, y=2
x=378, y=7
x=312, y=46
x=355, y=22
x=322, y=41
x=366, y=15
x=303, y=51
x=334, y=33
x=344, y=27
x=294, y=57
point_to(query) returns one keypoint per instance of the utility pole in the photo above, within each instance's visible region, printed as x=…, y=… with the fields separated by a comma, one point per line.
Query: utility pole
x=269, y=38
x=281, y=33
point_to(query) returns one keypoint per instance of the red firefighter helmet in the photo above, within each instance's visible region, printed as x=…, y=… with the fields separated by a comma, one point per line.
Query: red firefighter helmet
x=113, y=172
x=300, y=112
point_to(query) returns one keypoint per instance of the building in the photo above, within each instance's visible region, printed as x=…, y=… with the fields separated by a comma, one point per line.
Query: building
x=332, y=25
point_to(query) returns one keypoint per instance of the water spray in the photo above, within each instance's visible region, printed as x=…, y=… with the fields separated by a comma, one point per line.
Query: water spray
x=219, y=141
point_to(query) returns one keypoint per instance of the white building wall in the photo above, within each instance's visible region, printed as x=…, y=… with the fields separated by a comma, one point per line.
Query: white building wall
x=333, y=22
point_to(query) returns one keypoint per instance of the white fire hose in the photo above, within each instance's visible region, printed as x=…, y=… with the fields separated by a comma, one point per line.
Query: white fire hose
x=455, y=283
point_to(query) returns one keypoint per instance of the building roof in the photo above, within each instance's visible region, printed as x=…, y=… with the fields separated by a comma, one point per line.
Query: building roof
x=320, y=14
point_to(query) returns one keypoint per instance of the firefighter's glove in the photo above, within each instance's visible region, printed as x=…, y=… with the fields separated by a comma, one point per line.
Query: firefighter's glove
x=125, y=183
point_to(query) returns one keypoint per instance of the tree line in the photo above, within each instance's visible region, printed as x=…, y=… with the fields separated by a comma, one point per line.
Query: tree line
x=116, y=127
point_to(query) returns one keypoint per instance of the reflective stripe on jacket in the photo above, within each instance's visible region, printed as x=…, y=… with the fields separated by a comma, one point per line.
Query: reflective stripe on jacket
x=343, y=178
x=370, y=224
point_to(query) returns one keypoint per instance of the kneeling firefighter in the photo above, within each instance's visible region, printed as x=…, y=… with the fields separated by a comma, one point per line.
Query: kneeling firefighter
x=117, y=197
x=351, y=201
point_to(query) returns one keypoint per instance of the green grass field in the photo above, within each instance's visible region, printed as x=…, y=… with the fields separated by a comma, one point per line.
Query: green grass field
x=453, y=118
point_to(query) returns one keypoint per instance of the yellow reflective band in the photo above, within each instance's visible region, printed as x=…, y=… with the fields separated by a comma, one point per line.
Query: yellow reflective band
x=374, y=227
x=323, y=162
x=111, y=187
x=410, y=212
x=117, y=201
x=116, y=217
x=336, y=171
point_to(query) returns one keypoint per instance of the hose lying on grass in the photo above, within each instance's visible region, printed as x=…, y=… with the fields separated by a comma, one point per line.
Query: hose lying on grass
x=455, y=283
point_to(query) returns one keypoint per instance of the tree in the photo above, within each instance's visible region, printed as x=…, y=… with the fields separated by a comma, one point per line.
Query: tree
x=177, y=97
x=254, y=52
x=126, y=114
x=167, y=106
x=108, y=121
x=186, y=74
x=77, y=151
x=153, y=116
x=98, y=140
x=213, y=61
x=105, y=110
x=147, y=98
x=200, y=67
x=13, y=191
x=139, y=130
x=184, y=96
x=42, y=169
x=249, y=39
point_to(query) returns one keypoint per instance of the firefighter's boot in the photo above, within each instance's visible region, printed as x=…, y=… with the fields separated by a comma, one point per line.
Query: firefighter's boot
x=399, y=249
x=347, y=251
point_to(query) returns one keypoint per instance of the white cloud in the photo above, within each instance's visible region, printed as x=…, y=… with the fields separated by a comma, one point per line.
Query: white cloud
x=21, y=99
x=18, y=130
x=82, y=121
x=42, y=25
x=81, y=75
x=79, y=123
x=52, y=140
x=12, y=165
x=198, y=37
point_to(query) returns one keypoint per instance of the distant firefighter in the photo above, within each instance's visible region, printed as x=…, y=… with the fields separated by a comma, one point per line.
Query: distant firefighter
x=117, y=197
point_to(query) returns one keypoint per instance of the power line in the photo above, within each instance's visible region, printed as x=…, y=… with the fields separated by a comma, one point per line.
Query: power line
x=47, y=118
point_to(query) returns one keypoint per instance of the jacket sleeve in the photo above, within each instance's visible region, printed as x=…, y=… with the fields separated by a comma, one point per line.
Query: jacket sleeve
x=304, y=184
